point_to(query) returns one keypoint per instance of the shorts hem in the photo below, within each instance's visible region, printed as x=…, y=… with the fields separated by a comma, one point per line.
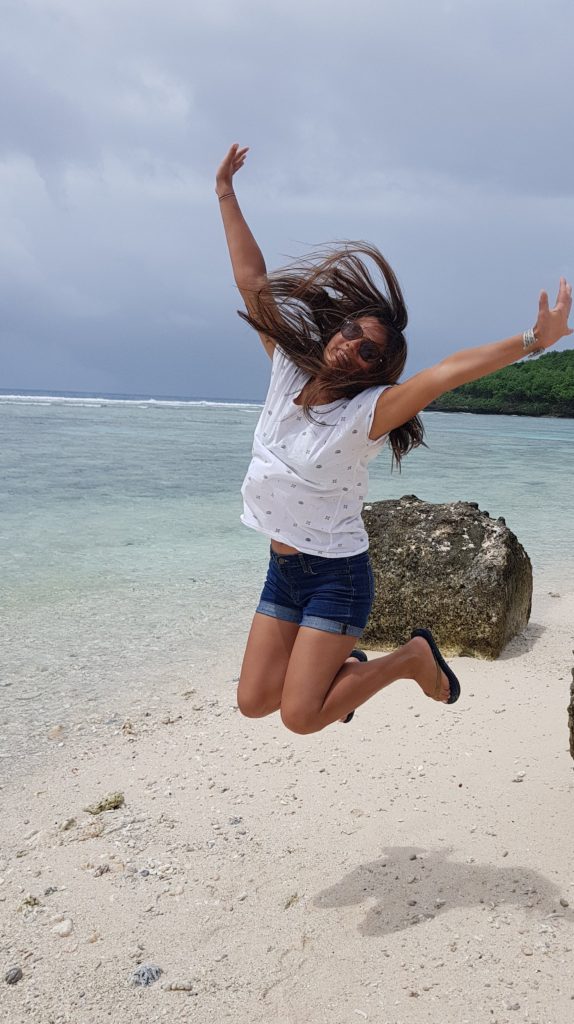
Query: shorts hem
x=278, y=611
x=331, y=626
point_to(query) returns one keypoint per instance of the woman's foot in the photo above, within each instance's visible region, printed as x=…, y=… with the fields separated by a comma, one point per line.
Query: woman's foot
x=427, y=673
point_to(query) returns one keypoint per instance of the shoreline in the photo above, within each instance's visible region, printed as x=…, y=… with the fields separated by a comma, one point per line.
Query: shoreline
x=85, y=711
x=500, y=412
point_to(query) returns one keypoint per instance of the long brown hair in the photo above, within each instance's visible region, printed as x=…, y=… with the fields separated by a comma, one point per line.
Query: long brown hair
x=301, y=306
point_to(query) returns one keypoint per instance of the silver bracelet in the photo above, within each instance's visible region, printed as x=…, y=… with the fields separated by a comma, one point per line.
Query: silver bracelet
x=528, y=340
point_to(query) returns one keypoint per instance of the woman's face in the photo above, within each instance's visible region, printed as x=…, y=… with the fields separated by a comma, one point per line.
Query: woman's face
x=346, y=355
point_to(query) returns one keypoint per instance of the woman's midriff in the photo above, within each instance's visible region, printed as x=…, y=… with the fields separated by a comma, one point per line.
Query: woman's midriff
x=283, y=549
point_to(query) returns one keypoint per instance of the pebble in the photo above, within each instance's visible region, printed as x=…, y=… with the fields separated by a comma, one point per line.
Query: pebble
x=56, y=732
x=64, y=928
x=519, y=777
x=564, y=903
x=111, y=802
x=145, y=974
x=13, y=975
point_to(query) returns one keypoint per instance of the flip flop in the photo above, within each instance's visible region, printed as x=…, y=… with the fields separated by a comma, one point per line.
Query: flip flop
x=360, y=656
x=441, y=664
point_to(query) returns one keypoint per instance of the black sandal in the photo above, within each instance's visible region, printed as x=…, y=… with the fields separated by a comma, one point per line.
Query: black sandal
x=440, y=664
x=360, y=656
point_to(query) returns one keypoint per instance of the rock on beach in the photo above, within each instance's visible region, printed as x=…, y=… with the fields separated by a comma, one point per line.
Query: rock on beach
x=450, y=568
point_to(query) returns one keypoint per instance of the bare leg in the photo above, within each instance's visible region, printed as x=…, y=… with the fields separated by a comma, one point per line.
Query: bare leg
x=316, y=694
x=265, y=663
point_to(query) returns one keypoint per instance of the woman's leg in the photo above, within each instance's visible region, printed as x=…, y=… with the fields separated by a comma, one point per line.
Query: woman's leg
x=321, y=687
x=265, y=662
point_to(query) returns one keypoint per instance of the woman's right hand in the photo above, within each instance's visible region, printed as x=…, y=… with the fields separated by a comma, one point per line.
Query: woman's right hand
x=231, y=163
x=552, y=324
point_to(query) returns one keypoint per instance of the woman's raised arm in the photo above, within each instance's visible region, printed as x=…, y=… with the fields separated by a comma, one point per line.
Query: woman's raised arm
x=399, y=404
x=247, y=261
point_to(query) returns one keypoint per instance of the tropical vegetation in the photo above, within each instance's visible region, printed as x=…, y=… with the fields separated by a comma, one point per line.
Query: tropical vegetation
x=540, y=387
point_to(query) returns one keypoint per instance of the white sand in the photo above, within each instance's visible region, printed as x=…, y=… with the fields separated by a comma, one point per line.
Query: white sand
x=391, y=870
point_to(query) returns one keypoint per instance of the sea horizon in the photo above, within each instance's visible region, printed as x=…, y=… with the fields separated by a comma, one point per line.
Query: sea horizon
x=94, y=398
x=120, y=396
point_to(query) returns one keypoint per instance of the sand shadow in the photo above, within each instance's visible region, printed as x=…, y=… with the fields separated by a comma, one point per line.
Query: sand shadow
x=524, y=642
x=389, y=881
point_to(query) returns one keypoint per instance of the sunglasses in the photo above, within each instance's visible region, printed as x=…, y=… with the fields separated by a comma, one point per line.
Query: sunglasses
x=352, y=331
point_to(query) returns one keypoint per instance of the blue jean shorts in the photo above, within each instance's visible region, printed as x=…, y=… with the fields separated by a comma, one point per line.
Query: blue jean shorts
x=333, y=594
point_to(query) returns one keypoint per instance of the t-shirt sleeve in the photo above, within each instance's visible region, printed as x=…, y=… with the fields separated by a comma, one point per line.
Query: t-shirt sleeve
x=362, y=411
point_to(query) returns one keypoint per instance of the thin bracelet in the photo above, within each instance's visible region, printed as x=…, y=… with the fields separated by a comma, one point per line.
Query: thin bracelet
x=226, y=195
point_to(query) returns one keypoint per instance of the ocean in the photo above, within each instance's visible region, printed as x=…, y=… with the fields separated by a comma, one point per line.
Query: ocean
x=126, y=571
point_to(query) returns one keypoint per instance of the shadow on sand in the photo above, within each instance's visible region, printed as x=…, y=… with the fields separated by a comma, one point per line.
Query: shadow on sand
x=406, y=874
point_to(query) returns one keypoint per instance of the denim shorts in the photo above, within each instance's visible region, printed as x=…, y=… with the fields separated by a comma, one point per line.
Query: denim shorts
x=333, y=594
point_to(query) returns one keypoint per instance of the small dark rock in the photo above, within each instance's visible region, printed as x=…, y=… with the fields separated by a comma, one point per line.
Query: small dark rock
x=13, y=974
x=145, y=974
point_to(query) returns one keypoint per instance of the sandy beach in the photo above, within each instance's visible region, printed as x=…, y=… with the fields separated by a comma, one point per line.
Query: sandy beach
x=414, y=866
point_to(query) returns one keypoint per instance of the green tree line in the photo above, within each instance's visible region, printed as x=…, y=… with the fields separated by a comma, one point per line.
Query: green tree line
x=534, y=387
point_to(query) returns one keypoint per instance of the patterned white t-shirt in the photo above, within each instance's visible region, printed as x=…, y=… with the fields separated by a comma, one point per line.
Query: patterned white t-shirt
x=307, y=481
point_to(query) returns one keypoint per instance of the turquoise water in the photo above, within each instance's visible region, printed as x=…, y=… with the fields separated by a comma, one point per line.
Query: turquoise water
x=125, y=568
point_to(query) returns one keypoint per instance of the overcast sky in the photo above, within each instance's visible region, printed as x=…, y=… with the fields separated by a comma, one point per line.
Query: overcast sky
x=440, y=130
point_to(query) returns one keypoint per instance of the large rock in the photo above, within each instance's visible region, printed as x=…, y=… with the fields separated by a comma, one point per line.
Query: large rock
x=571, y=715
x=449, y=568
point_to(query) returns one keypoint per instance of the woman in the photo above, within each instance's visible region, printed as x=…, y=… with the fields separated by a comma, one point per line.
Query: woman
x=337, y=347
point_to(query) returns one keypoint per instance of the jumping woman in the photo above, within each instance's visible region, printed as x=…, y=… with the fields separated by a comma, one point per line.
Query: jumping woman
x=337, y=345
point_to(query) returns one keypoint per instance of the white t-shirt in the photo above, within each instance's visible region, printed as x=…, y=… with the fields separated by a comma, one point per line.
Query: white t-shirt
x=307, y=481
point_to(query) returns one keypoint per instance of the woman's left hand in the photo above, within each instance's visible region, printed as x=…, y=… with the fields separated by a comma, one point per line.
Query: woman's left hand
x=232, y=162
x=552, y=324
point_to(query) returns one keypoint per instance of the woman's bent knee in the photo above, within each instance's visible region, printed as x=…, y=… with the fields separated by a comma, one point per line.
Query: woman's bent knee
x=254, y=705
x=300, y=720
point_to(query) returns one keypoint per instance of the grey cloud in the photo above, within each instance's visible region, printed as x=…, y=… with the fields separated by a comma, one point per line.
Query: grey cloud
x=435, y=130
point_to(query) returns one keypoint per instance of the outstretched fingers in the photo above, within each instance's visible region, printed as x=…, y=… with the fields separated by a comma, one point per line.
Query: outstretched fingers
x=232, y=161
x=552, y=324
x=564, y=302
